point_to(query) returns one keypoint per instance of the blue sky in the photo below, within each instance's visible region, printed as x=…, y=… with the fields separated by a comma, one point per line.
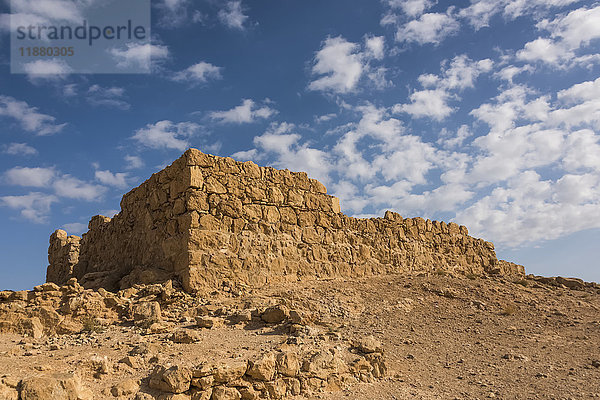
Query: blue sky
x=483, y=112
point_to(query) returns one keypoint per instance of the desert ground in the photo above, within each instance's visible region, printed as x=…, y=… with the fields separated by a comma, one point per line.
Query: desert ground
x=405, y=336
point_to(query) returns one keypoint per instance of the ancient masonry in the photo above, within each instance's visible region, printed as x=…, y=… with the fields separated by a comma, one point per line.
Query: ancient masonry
x=208, y=219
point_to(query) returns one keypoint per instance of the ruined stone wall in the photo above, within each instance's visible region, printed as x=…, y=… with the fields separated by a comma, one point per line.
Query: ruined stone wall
x=207, y=219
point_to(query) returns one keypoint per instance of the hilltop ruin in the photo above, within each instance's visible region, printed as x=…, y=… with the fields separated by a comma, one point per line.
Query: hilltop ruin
x=206, y=219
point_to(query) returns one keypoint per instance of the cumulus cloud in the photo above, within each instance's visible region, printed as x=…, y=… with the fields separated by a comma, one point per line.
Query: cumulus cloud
x=479, y=12
x=166, y=135
x=112, y=97
x=432, y=102
x=339, y=64
x=412, y=8
x=41, y=70
x=135, y=55
x=232, y=15
x=33, y=177
x=133, y=162
x=29, y=117
x=426, y=103
x=247, y=112
x=429, y=28
x=198, y=73
x=34, y=206
x=22, y=149
x=118, y=180
x=567, y=35
x=74, y=188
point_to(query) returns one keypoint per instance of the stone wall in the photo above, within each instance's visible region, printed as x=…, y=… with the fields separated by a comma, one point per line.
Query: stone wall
x=208, y=219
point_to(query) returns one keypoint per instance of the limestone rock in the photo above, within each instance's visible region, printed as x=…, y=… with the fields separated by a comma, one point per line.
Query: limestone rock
x=288, y=363
x=263, y=369
x=175, y=379
x=125, y=388
x=146, y=313
x=185, y=336
x=276, y=314
x=225, y=393
x=52, y=387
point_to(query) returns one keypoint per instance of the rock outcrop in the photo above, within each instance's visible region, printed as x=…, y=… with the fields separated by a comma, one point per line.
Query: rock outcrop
x=205, y=220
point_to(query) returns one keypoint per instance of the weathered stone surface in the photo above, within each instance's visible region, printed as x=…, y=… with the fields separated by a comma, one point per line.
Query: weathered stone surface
x=52, y=387
x=175, y=379
x=146, y=313
x=263, y=368
x=204, y=219
x=225, y=393
x=276, y=314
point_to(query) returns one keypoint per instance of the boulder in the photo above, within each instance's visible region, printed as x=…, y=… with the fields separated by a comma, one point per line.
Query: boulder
x=175, y=379
x=263, y=369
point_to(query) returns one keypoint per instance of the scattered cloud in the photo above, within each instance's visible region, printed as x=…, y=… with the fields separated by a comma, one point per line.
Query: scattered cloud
x=133, y=162
x=74, y=188
x=339, y=64
x=456, y=76
x=479, y=12
x=21, y=149
x=34, y=206
x=111, y=97
x=427, y=103
x=429, y=28
x=247, y=112
x=198, y=73
x=567, y=35
x=412, y=8
x=44, y=70
x=166, y=135
x=28, y=117
x=118, y=180
x=232, y=15
x=141, y=56
x=33, y=177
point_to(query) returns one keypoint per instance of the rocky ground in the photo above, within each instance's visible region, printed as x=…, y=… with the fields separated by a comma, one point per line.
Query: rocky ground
x=433, y=336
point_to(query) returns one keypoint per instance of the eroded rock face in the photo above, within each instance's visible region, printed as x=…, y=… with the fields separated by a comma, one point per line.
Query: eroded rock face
x=207, y=219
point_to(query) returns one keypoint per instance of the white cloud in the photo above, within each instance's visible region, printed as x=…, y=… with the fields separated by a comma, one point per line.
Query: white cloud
x=34, y=177
x=198, y=73
x=28, y=117
x=412, y=8
x=325, y=117
x=457, y=75
x=75, y=228
x=34, y=206
x=426, y=103
x=133, y=162
x=174, y=13
x=58, y=10
x=581, y=92
x=141, y=56
x=340, y=64
x=232, y=15
x=449, y=140
x=374, y=47
x=19, y=149
x=118, y=180
x=73, y=188
x=112, y=97
x=429, y=28
x=247, y=112
x=54, y=69
x=167, y=135
x=567, y=35
x=480, y=12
